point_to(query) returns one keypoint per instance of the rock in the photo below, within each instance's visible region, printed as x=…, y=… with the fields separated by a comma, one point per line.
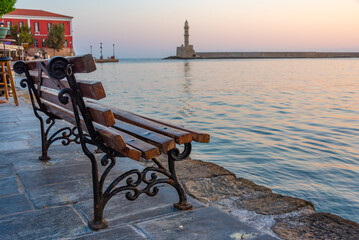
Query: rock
x=273, y=204
x=248, y=195
x=194, y=169
x=209, y=182
x=316, y=226
x=220, y=187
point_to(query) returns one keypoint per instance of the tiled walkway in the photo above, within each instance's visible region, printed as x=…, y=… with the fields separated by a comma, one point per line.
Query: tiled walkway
x=53, y=200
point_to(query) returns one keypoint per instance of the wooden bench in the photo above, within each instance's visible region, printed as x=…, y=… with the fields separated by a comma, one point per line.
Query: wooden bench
x=55, y=93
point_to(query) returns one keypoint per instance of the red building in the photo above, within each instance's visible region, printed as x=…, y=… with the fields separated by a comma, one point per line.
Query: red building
x=40, y=23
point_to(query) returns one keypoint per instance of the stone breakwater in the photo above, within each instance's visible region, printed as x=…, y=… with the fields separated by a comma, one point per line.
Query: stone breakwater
x=274, y=214
x=255, y=55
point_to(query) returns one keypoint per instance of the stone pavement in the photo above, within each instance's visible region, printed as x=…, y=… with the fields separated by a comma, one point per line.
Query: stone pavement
x=53, y=200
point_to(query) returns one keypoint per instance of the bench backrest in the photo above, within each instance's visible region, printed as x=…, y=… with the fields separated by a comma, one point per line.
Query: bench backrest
x=53, y=86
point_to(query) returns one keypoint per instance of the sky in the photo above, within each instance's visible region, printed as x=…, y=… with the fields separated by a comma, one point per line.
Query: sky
x=154, y=28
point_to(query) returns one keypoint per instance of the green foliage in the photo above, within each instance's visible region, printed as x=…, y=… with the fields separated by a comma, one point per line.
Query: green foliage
x=6, y=6
x=14, y=30
x=56, y=37
x=25, y=35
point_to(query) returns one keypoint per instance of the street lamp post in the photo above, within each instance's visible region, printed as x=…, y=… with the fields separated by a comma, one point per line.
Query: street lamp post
x=91, y=49
x=101, y=51
x=113, y=46
x=18, y=43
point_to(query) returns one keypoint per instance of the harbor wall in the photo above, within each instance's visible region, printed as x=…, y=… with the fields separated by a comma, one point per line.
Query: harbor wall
x=214, y=55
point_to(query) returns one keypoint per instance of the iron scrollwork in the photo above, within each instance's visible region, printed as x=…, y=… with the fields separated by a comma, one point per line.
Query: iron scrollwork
x=149, y=176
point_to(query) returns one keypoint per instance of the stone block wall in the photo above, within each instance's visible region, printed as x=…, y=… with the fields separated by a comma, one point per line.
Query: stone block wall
x=49, y=52
x=186, y=52
x=209, y=55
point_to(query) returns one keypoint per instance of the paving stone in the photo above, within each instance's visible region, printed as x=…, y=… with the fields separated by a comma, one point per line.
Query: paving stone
x=55, y=174
x=52, y=223
x=27, y=109
x=8, y=119
x=8, y=185
x=5, y=171
x=8, y=125
x=64, y=158
x=58, y=173
x=26, y=160
x=29, y=117
x=33, y=124
x=22, y=129
x=36, y=142
x=60, y=194
x=5, y=136
x=119, y=210
x=14, y=145
x=121, y=233
x=14, y=203
x=205, y=223
x=18, y=156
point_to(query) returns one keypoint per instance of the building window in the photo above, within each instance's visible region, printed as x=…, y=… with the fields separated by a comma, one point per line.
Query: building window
x=49, y=26
x=43, y=42
x=21, y=24
x=66, y=43
x=8, y=24
x=36, y=43
x=37, y=27
x=62, y=25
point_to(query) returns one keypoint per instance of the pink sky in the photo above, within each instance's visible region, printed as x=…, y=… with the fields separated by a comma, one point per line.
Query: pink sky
x=153, y=28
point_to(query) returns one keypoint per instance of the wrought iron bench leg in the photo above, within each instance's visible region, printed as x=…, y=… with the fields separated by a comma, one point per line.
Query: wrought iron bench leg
x=44, y=144
x=174, y=155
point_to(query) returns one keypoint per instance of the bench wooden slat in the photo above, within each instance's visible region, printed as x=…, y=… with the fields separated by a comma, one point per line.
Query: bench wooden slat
x=179, y=136
x=52, y=96
x=101, y=115
x=165, y=143
x=89, y=89
x=111, y=138
x=98, y=114
x=148, y=150
x=81, y=64
x=196, y=136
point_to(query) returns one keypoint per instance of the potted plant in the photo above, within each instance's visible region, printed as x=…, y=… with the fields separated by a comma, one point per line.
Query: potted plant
x=6, y=6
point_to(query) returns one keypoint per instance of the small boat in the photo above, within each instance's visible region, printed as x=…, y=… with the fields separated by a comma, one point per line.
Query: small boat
x=106, y=60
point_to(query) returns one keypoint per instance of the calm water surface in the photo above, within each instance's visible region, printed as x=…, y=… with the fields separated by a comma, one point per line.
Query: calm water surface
x=290, y=124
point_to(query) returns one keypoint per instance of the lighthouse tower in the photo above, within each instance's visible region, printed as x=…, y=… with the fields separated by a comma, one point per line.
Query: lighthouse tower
x=186, y=50
x=186, y=34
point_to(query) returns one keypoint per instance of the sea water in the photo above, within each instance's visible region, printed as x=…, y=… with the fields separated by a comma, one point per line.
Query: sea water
x=288, y=124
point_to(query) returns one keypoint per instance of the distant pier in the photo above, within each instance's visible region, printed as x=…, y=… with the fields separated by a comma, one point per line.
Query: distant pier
x=255, y=55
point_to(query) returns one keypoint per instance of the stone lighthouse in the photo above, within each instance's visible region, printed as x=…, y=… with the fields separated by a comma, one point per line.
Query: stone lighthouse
x=186, y=34
x=186, y=50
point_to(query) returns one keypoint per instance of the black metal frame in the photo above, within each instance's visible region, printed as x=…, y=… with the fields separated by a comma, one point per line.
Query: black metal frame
x=58, y=68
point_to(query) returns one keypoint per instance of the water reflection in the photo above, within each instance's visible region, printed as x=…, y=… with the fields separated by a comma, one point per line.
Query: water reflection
x=187, y=78
x=185, y=108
